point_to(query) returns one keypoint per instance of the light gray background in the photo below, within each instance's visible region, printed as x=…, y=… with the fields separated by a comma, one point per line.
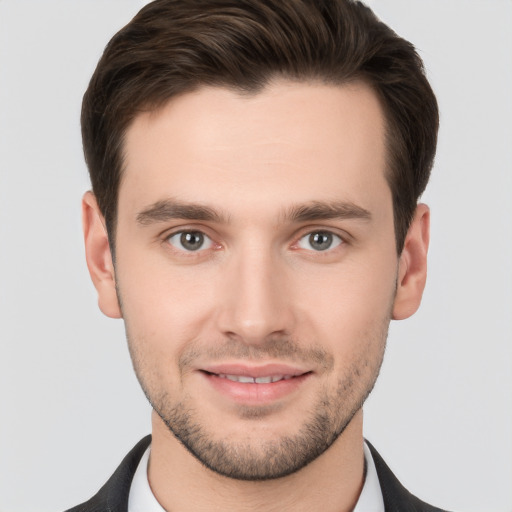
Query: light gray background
x=70, y=407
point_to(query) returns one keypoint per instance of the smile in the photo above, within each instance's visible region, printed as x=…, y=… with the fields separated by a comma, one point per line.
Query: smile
x=255, y=386
x=245, y=379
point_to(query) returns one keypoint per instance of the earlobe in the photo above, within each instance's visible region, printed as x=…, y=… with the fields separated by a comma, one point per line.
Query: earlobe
x=412, y=270
x=99, y=257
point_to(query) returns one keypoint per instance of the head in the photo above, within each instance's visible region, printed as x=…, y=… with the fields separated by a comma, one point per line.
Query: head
x=256, y=166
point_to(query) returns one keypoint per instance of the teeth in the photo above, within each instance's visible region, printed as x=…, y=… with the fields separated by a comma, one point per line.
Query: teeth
x=254, y=380
x=263, y=380
x=242, y=378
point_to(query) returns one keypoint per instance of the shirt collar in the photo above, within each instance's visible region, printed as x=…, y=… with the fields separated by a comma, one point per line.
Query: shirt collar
x=370, y=499
x=142, y=499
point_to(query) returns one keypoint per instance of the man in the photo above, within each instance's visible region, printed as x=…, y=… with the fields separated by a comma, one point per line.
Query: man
x=256, y=167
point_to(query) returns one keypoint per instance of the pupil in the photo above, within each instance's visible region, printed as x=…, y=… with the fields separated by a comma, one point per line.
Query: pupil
x=320, y=241
x=192, y=241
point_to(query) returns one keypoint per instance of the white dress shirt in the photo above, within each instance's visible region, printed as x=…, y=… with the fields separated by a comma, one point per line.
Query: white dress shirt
x=142, y=499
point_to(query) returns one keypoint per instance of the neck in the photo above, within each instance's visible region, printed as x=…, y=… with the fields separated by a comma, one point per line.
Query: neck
x=331, y=483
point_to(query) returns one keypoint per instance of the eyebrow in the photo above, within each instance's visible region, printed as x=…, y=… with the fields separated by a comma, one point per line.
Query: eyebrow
x=319, y=210
x=170, y=209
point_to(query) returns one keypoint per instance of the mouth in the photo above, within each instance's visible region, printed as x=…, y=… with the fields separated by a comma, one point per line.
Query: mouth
x=255, y=374
x=255, y=385
x=247, y=379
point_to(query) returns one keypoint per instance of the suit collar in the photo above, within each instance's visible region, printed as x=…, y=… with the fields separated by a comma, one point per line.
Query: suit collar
x=396, y=497
x=113, y=496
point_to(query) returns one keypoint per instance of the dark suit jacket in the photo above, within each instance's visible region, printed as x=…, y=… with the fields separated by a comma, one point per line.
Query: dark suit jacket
x=113, y=496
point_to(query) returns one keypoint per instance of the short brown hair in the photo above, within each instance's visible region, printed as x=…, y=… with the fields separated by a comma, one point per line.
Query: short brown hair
x=175, y=46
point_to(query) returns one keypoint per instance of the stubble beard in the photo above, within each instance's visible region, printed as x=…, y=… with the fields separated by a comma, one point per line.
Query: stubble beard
x=257, y=459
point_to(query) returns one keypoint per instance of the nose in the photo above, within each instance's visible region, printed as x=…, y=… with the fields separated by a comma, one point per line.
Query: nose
x=254, y=301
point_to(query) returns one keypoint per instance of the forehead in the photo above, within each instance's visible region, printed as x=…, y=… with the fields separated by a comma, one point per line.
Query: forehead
x=291, y=142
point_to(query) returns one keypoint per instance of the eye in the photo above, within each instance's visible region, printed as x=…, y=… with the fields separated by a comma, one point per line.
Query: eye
x=319, y=241
x=190, y=241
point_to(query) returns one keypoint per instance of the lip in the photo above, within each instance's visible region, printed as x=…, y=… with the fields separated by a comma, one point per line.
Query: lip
x=251, y=393
x=255, y=370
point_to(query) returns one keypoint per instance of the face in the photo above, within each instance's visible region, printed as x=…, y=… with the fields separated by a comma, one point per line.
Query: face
x=256, y=269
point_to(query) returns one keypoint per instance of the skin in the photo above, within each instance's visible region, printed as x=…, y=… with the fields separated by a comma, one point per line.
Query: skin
x=258, y=292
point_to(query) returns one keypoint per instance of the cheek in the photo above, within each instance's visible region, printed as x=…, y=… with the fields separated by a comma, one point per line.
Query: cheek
x=162, y=314
x=161, y=304
x=348, y=307
x=355, y=287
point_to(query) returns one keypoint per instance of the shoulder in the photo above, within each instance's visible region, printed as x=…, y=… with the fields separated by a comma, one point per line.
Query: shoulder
x=396, y=497
x=113, y=496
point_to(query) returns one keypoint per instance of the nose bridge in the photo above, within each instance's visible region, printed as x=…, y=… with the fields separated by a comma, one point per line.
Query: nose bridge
x=254, y=305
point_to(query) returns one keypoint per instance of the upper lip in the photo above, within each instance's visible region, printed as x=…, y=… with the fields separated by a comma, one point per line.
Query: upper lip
x=254, y=371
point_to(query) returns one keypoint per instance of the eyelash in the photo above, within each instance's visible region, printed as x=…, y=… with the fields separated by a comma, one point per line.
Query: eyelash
x=337, y=239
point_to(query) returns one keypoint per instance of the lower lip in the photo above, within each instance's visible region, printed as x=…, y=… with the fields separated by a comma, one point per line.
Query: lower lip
x=253, y=393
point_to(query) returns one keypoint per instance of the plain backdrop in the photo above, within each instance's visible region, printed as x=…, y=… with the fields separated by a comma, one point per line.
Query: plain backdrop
x=70, y=406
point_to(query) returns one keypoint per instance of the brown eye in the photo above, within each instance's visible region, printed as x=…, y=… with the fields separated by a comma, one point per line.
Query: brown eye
x=319, y=241
x=190, y=241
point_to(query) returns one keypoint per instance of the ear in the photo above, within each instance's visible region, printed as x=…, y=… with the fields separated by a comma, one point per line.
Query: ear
x=412, y=265
x=98, y=256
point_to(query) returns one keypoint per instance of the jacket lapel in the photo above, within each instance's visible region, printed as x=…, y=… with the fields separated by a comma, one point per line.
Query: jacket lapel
x=113, y=496
x=396, y=497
